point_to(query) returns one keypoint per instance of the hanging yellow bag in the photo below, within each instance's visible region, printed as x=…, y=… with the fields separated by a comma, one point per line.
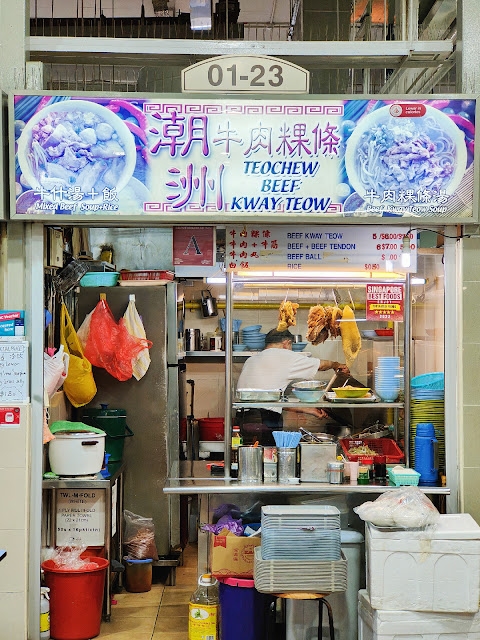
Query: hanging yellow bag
x=79, y=384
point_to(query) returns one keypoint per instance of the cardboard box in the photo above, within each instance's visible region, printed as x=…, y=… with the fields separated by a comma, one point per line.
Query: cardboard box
x=12, y=323
x=232, y=556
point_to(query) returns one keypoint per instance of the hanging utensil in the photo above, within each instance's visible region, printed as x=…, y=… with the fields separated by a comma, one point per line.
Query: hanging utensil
x=209, y=304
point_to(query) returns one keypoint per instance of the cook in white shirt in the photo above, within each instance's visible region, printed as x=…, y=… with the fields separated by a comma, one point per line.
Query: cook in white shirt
x=274, y=368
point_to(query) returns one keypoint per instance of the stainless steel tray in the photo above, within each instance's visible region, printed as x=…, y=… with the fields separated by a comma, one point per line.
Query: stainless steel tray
x=259, y=395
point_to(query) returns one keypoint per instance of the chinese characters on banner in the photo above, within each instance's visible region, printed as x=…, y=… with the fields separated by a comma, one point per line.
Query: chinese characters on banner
x=105, y=156
x=308, y=248
x=384, y=302
x=194, y=246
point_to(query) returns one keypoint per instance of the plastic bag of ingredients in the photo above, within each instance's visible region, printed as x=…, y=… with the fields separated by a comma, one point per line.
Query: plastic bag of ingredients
x=69, y=558
x=110, y=346
x=405, y=508
x=139, y=537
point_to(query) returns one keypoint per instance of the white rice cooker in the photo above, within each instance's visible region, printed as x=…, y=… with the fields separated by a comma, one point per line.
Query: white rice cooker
x=77, y=453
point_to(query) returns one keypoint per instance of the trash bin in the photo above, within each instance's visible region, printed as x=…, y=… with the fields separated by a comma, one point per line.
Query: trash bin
x=243, y=609
x=138, y=575
x=76, y=598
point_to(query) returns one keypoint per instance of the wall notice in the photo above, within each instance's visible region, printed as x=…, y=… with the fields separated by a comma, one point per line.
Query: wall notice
x=385, y=302
x=14, y=372
x=80, y=517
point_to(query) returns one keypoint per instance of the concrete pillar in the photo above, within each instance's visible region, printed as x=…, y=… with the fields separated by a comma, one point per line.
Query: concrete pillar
x=468, y=81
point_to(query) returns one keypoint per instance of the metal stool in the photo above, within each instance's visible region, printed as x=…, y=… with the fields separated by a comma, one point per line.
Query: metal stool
x=299, y=595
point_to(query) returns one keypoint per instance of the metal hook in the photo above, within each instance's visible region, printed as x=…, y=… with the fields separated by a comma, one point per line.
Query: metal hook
x=351, y=299
x=335, y=297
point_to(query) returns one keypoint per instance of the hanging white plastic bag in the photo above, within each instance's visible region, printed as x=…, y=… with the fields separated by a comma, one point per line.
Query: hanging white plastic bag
x=55, y=370
x=84, y=330
x=134, y=325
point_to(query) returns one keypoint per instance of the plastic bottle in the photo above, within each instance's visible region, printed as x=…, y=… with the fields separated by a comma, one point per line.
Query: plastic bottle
x=368, y=462
x=203, y=610
x=236, y=442
x=363, y=475
x=45, y=613
x=380, y=468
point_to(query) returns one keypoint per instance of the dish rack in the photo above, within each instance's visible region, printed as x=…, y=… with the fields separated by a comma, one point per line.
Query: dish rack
x=400, y=479
x=147, y=275
x=381, y=446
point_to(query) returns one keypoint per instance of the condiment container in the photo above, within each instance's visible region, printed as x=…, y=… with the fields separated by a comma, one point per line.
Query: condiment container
x=380, y=468
x=363, y=475
x=270, y=471
x=250, y=464
x=353, y=466
x=287, y=461
x=368, y=462
x=335, y=472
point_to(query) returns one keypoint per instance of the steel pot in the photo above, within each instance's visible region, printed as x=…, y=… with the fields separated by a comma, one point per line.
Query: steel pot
x=77, y=453
x=209, y=305
x=193, y=340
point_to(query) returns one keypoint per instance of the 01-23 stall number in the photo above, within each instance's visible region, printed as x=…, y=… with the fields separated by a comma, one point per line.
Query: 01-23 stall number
x=258, y=76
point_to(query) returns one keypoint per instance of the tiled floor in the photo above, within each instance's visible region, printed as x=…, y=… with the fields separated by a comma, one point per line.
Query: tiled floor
x=159, y=614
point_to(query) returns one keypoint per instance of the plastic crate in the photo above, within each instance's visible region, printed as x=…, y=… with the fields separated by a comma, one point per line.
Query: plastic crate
x=147, y=275
x=400, y=479
x=429, y=381
x=99, y=279
x=381, y=446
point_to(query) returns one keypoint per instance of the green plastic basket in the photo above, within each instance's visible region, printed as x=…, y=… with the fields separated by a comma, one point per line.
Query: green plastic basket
x=400, y=479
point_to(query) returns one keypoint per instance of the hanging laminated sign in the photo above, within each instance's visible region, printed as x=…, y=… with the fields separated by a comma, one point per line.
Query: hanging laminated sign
x=197, y=160
x=384, y=302
x=303, y=248
x=194, y=246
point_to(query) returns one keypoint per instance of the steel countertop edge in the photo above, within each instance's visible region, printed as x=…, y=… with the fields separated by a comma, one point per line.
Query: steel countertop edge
x=188, y=486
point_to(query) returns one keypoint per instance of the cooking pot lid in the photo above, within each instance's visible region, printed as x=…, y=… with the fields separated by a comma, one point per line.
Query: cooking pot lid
x=66, y=426
x=81, y=435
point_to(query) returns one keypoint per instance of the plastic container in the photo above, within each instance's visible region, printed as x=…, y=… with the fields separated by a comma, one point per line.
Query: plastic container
x=429, y=381
x=76, y=598
x=146, y=275
x=211, y=429
x=392, y=625
x=138, y=575
x=203, y=621
x=114, y=423
x=76, y=453
x=426, y=453
x=400, y=479
x=243, y=610
x=100, y=279
x=431, y=570
x=44, y=613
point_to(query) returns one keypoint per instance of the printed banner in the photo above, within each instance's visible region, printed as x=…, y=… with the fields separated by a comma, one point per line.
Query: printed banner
x=384, y=302
x=303, y=248
x=169, y=157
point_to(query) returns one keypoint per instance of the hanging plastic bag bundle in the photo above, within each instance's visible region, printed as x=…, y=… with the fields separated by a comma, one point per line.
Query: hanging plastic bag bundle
x=55, y=370
x=79, y=385
x=135, y=327
x=110, y=346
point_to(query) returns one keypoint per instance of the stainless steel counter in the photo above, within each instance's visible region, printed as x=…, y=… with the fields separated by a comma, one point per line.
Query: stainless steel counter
x=189, y=486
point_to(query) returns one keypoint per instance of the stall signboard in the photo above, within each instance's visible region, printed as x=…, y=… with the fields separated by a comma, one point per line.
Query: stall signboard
x=194, y=246
x=191, y=160
x=384, y=302
x=310, y=248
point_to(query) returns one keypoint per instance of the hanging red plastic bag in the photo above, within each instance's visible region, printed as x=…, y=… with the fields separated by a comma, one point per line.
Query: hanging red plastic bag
x=110, y=346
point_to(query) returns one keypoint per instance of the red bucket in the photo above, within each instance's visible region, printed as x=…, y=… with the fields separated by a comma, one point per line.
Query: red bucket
x=76, y=598
x=211, y=429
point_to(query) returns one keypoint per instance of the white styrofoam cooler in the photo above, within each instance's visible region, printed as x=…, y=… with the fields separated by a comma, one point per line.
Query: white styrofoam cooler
x=437, y=570
x=374, y=624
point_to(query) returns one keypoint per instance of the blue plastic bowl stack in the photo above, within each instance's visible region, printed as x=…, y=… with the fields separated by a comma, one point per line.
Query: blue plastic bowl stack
x=252, y=337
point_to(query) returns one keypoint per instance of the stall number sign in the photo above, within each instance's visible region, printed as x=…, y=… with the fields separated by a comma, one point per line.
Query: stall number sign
x=80, y=517
x=310, y=248
x=384, y=302
x=245, y=74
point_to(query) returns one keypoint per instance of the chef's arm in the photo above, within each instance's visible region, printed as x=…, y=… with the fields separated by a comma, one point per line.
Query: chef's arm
x=332, y=364
x=314, y=411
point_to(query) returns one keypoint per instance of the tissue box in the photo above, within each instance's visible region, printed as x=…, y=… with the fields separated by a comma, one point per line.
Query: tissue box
x=232, y=556
x=12, y=323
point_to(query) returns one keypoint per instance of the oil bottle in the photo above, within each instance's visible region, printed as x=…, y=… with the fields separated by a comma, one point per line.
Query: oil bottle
x=203, y=610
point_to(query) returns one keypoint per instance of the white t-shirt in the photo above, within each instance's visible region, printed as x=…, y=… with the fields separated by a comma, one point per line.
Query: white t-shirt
x=275, y=368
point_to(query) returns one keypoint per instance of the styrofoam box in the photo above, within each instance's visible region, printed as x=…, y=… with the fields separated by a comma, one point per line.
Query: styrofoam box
x=432, y=570
x=374, y=624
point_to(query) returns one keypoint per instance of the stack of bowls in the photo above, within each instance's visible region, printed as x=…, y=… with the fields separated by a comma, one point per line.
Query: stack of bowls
x=387, y=378
x=252, y=337
x=299, y=346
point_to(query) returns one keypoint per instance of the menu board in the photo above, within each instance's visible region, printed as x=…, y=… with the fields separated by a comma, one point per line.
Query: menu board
x=190, y=160
x=14, y=372
x=310, y=248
